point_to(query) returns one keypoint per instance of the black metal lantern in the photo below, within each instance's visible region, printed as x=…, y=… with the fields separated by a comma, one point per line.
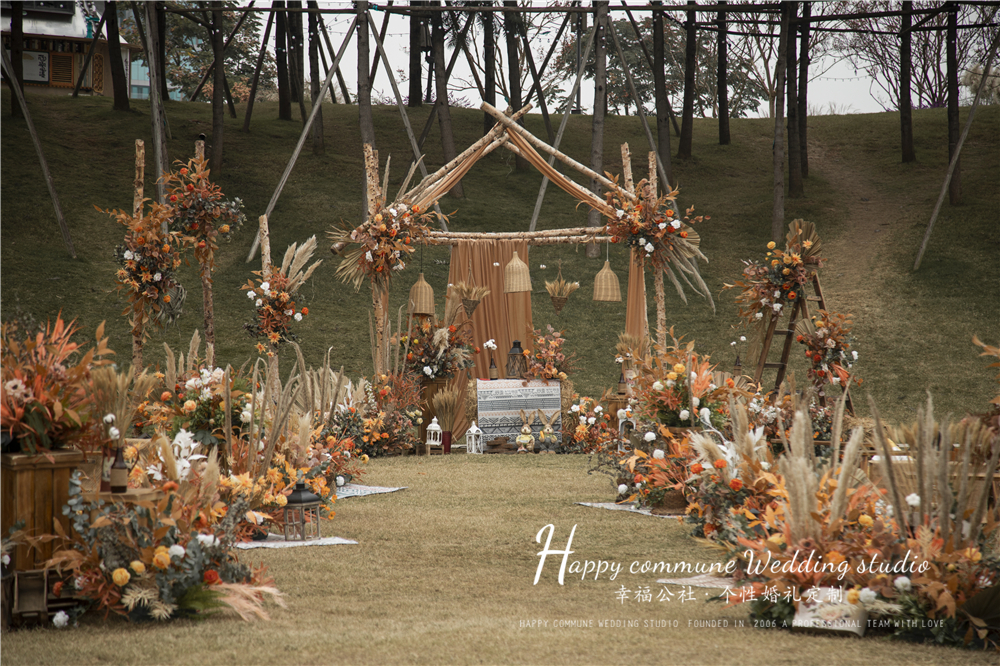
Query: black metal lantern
x=301, y=515
x=517, y=364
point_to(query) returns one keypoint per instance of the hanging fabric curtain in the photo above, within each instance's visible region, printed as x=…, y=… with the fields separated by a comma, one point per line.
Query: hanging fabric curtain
x=502, y=317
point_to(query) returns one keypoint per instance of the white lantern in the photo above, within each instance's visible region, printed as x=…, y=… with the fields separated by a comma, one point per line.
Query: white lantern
x=474, y=439
x=433, y=435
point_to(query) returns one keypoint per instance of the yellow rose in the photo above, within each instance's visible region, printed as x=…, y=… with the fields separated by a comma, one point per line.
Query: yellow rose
x=852, y=596
x=786, y=271
x=770, y=246
x=281, y=500
x=137, y=567
x=190, y=406
x=224, y=228
x=672, y=376
x=679, y=367
x=161, y=560
x=160, y=549
x=865, y=520
x=121, y=577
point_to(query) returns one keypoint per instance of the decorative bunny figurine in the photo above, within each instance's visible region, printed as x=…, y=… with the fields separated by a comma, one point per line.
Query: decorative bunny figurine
x=548, y=441
x=525, y=441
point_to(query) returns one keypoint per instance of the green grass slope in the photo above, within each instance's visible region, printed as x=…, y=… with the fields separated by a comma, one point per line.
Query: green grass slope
x=913, y=330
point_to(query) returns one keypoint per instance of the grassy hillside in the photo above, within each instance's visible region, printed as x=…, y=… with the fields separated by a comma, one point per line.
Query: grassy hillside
x=913, y=329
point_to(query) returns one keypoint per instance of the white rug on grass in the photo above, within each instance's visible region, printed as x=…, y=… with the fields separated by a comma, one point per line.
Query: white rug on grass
x=624, y=507
x=704, y=580
x=355, y=490
x=277, y=541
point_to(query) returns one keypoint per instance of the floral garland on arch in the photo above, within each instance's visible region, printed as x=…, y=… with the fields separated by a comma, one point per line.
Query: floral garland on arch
x=661, y=235
x=828, y=348
x=382, y=244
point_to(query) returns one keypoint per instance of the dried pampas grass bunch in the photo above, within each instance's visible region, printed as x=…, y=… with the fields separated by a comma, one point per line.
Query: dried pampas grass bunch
x=446, y=408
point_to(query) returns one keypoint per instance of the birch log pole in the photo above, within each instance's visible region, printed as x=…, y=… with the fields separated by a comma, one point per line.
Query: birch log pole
x=661, y=303
x=380, y=294
x=140, y=178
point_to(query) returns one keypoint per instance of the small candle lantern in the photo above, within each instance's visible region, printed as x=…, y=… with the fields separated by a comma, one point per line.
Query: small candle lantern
x=474, y=439
x=434, y=433
x=517, y=364
x=301, y=515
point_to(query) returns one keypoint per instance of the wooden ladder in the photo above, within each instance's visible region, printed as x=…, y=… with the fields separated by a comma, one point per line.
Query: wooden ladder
x=798, y=311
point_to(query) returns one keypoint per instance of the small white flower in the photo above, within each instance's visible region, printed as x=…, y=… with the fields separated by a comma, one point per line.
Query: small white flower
x=176, y=551
x=259, y=303
x=205, y=395
x=128, y=255
x=265, y=286
x=854, y=355
x=347, y=455
x=575, y=408
x=662, y=225
x=835, y=381
x=733, y=343
x=642, y=241
x=490, y=344
x=676, y=224
x=298, y=316
x=218, y=374
x=251, y=294
x=867, y=596
x=903, y=584
x=542, y=266
x=743, y=338
x=696, y=402
x=777, y=294
x=598, y=409
x=192, y=384
x=113, y=432
x=289, y=313
x=109, y=418
x=776, y=307
x=705, y=416
x=61, y=619
x=758, y=315
x=622, y=415
x=658, y=454
x=622, y=489
x=649, y=248
x=208, y=540
x=694, y=377
x=591, y=420
x=913, y=500
x=619, y=359
x=671, y=383
x=341, y=481
x=158, y=276
x=685, y=414
x=620, y=213
x=428, y=371
x=657, y=385
x=649, y=437
x=5, y=559
x=246, y=416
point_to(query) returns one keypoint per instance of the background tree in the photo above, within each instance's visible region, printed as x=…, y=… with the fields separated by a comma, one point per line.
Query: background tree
x=189, y=53
x=119, y=81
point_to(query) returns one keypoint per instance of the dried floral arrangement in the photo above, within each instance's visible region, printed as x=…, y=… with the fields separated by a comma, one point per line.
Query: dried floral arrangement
x=828, y=345
x=548, y=361
x=438, y=348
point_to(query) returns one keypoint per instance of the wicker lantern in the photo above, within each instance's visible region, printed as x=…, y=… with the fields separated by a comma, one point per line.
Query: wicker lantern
x=301, y=515
x=516, y=277
x=474, y=439
x=434, y=433
x=421, y=298
x=517, y=364
x=606, y=285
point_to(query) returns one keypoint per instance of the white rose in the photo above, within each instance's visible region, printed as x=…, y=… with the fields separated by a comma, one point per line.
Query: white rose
x=622, y=489
x=341, y=481
x=207, y=540
x=685, y=414
x=622, y=415
x=867, y=596
x=650, y=437
x=705, y=416
x=251, y=294
x=591, y=420
x=61, y=619
x=246, y=416
x=696, y=401
x=913, y=500
x=265, y=285
x=598, y=409
x=176, y=551
x=657, y=385
x=903, y=584
x=574, y=408
x=658, y=454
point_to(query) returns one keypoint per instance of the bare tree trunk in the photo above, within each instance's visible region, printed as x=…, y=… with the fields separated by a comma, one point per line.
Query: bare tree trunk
x=441, y=104
x=365, y=121
x=156, y=114
x=600, y=109
x=161, y=48
x=722, y=78
x=281, y=62
x=955, y=188
x=489, y=65
x=218, y=91
x=660, y=89
x=795, y=188
x=119, y=81
x=296, y=52
x=778, y=212
x=803, y=87
x=512, y=33
x=905, y=76
x=17, y=57
x=416, y=64
x=317, y=127
x=690, y=64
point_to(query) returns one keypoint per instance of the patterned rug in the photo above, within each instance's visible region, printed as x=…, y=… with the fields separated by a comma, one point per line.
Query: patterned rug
x=276, y=541
x=624, y=507
x=355, y=490
x=501, y=401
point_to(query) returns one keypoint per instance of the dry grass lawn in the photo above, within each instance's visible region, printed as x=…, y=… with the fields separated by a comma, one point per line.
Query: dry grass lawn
x=443, y=573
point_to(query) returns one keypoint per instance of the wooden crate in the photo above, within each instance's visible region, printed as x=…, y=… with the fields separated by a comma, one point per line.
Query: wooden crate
x=34, y=490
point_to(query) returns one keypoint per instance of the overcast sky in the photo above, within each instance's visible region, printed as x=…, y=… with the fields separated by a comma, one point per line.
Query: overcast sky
x=848, y=91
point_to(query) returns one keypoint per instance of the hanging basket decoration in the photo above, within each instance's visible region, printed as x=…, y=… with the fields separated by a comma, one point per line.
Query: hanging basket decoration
x=471, y=296
x=516, y=277
x=606, y=285
x=560, y=291
x=421, y=298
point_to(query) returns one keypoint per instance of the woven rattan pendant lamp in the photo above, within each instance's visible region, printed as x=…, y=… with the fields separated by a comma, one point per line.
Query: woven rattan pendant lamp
x=421, y=293
x=606, y=285
x=516, y=277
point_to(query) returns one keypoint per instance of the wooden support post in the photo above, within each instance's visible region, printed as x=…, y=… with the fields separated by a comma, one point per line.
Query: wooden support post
x=661, y=301
x=156, y=112
x=199, y=149
x=402, y=113
x=264, y=235
x=302, y=137
x=140, y=177
x=90, y=50
x=41, y=156
x=562, y=128
x=256, y=71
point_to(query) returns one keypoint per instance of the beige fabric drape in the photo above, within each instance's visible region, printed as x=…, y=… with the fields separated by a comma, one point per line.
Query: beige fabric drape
x=636, y=319
x=502, y=317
